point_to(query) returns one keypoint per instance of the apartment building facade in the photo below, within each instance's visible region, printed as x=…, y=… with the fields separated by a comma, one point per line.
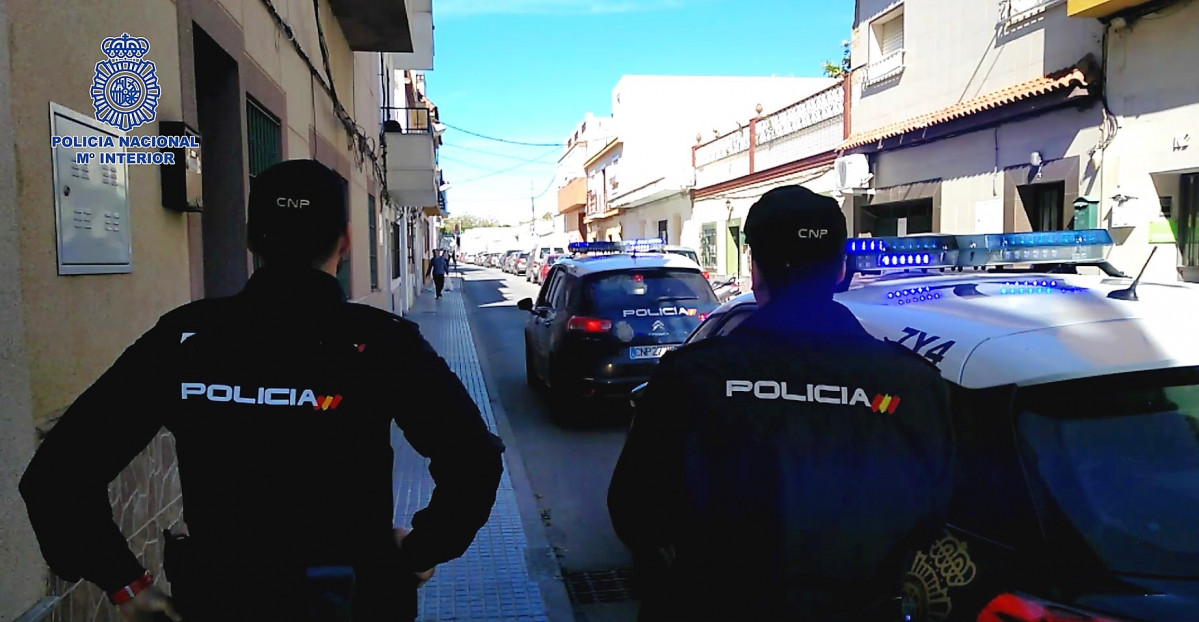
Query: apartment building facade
x=795, y=145
x=975, y=117
x=1150, y=168
x=412, y=142
x=640, y=181
x=95, y=252
x=590, y=136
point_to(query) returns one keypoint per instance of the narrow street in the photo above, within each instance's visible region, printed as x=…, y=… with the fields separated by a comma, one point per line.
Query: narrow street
x=568, y=469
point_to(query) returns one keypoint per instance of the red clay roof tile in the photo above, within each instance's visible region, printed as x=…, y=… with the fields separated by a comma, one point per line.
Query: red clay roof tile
x=1066, y=78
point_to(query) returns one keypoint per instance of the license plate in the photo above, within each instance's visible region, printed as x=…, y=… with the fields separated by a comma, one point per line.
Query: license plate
x=648, y=352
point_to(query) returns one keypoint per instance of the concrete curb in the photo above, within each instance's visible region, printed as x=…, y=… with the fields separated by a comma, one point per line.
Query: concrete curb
x=543, y=564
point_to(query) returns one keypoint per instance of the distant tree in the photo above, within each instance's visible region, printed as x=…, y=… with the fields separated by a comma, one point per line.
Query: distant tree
x=467, y=221
x=833, y=70
x=547, y=216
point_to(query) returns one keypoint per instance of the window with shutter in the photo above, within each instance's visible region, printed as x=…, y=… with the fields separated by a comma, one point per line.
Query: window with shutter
x=891, y=36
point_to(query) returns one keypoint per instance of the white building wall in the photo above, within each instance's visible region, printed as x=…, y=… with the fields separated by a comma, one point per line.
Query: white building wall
x=986, y=153
x=944, y=65
x=1153, y=86
x=660, y=116
x=642, y=222
x=715, y=209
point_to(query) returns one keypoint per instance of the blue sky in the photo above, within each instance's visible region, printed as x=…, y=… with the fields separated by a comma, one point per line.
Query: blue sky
x=529, y=70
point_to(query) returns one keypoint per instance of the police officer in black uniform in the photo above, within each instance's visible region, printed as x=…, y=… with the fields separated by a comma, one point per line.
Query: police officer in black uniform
x=280, y=400
x=764, y=476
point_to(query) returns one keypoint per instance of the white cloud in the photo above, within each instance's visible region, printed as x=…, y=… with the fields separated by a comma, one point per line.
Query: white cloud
x=464, y=8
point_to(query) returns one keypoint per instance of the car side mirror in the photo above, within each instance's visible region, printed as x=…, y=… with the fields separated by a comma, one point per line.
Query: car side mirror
x=525, y=304
x=637, y=392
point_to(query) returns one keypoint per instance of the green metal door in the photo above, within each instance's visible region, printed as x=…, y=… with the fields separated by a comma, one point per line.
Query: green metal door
x=732, y=247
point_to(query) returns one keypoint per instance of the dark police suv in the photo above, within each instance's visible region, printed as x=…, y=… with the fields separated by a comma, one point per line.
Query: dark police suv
x=605, y=316
x=1076, y=410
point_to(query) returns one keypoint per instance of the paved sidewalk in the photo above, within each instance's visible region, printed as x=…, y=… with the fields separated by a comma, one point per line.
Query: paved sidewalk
x=491, y=582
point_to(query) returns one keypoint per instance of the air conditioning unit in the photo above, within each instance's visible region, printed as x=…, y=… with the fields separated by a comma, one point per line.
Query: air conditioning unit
x=853, y=174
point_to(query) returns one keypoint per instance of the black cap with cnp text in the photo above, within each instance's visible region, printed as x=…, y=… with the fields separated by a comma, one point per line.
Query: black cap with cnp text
x=297, y=210
x=793, y=225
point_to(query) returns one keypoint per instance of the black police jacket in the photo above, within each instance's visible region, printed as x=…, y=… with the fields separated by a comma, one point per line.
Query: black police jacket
x=790, y=468
x=281, y=401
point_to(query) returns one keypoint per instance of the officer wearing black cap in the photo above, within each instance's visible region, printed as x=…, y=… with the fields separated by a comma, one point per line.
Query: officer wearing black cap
x=281, y=401
x=757, y=481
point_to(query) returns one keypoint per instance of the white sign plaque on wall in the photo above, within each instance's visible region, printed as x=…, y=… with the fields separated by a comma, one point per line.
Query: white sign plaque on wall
x=988, y=216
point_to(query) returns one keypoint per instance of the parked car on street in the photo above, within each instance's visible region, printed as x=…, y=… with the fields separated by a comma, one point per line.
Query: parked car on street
x=508, y=260
x=539, y=257
x=1076, y=409
x=520, y=264
x=688, y=253
x=550, y=260
x=601, y=321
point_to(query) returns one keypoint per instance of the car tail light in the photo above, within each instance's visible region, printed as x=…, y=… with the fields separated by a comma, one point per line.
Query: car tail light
x=1013, y=608
x=589, y=325
x=707, y=275
x=702, y=317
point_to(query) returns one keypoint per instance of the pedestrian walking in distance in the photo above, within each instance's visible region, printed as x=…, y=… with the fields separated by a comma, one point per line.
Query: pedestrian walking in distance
x=739, y=505
x=438, y=267
x=280, y=400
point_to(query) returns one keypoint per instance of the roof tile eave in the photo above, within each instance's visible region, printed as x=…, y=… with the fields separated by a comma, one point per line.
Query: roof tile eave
x=1066, y=78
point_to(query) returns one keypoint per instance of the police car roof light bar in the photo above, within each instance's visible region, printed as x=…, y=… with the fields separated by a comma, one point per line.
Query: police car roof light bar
x=1041, y=247
x=595, y=247
x=901, y=253
x=1074, y=247
x=646, y=245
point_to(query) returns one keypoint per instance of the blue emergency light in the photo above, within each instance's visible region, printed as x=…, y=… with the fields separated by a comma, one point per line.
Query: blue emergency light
x=902, y=253
x=595, y=247
x=646, y=245
x=1081, y=246
x=961, y=251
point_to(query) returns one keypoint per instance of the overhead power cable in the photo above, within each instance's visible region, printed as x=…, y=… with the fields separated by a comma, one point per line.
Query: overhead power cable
x=502, y=140
x=547, y=187
x=487, y=153
x=487, y=169
x=501, y=171
x=509, y=199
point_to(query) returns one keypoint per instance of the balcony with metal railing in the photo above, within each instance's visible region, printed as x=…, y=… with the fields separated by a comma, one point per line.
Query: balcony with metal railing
x=410, y=136
x=1012, y=13
x=804, y=129
x=885, y=68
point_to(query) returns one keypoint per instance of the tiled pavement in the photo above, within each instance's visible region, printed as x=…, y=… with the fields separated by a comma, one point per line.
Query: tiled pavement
x=491, y=582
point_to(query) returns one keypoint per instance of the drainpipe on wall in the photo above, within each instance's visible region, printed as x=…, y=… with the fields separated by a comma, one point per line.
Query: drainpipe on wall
x=847, y=104
x=753, y=136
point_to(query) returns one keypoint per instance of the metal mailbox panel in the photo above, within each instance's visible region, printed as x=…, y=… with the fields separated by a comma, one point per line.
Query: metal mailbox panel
x=92, y=203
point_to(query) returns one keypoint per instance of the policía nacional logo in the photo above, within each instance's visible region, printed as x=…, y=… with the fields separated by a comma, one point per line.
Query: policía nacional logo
x=125, y=89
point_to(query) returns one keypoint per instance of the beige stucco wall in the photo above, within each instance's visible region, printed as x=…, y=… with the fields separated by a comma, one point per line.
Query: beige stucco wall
x=642, y=221
x=21, y=585
x=1055, y=135
x=944, y=66
x=715, y=209
x=59, y=333
x=66, y=349
x=1153, y=87
x=77, y=325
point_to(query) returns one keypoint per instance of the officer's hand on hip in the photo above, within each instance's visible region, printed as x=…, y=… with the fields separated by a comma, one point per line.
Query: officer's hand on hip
x=148, y=606
x=401, y=533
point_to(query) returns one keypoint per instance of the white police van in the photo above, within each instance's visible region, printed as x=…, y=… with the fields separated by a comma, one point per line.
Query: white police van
x=1076, y=410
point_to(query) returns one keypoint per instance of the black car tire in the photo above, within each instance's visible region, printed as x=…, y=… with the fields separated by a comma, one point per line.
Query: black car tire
x=559, y=399
x=531, y=378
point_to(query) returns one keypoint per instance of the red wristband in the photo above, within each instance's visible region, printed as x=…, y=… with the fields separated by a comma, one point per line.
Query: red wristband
x=127, y=593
